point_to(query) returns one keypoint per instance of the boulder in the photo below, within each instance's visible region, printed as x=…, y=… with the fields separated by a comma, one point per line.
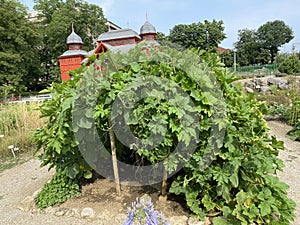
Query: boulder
x=87, y=212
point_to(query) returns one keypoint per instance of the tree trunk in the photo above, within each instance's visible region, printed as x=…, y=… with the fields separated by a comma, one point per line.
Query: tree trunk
x=114, y=158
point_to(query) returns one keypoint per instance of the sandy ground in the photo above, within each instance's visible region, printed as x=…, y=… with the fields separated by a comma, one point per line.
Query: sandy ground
x=25, y=179
x=291, y=158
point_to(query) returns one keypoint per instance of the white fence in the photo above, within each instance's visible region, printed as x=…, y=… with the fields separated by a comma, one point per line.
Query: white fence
x=34, y=98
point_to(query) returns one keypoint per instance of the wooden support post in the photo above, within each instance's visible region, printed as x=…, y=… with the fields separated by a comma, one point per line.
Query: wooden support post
x=164, y=183
x=114, y=158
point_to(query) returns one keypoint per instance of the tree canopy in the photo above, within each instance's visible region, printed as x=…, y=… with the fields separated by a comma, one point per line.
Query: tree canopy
x=261, y=46
x=205, y=35
x=19, y=46
x=274, y=34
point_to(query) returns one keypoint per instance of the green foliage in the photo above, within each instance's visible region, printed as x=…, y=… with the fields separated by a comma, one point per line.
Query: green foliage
x=273, y=35
x=241, y=183
x=56, y=138
x=205, y=35
x=261, y=46
x=20, y=40
x=227, y=58
x=248, y=48
x=295, y=132
x=237, y=181
x=59, y=146
x=290, y=65
x=57, y=191
x=295, y=112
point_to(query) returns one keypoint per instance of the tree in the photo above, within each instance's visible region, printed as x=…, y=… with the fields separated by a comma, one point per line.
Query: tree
x=205, y=35
x=57, y=18
x=247, y=47
x=161, y=37
x=19, y=46
x=274, y=34
x=227, y=58
x=261, y=46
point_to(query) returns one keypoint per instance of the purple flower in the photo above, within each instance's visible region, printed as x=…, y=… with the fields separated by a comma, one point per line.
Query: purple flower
x=143, y=213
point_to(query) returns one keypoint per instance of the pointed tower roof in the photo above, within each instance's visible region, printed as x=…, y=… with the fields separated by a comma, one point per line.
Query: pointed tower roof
x=147, y=27
x=74, y=38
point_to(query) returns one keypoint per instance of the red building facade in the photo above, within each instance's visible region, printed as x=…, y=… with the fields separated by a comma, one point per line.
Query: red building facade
x=119, y=40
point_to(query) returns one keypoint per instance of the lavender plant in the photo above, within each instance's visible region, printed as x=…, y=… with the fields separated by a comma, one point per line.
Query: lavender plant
x=142, y=212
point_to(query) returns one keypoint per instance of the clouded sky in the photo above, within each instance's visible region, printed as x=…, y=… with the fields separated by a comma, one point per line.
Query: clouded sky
x=236, y=14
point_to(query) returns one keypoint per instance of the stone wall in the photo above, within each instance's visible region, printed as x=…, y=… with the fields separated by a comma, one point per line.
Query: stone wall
x=267, y=85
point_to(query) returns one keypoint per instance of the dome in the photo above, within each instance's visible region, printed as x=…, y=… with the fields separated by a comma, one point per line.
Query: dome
x=147, y=28
x=74, y=38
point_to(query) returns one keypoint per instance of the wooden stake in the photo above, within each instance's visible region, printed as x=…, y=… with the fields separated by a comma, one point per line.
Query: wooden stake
x=164, y=183
x=114, y=158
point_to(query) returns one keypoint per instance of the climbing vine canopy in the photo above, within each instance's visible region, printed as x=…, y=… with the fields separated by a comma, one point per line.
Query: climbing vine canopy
x=172, y=113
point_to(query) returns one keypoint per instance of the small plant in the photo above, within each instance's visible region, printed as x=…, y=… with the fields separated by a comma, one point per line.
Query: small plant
x=142, y=212
x=58, y=190
x=294, y=134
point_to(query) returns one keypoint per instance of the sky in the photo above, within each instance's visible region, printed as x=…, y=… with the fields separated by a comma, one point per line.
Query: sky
x=235, y=14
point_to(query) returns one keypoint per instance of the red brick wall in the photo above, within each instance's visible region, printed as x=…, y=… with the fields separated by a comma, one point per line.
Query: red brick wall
x=149, y=37
x=69, y=63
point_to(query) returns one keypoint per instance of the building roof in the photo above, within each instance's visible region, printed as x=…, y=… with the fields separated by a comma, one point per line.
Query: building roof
x=118, y=34
x=221, y=50
x=74, y=53
x=147, y=28
x=74, y=38
x=120, y=48
x=124, y=48
x=112, y=26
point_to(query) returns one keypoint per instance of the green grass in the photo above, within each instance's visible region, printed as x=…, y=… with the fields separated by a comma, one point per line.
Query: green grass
x=17, y=123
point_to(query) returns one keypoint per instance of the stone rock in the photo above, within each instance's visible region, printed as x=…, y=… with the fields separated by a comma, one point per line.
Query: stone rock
x=258, y=87
x=73, y=212
x=276, y=81
x=50, y=210
x=36, y=192
x=178, y=220
x=145, y=198
x=87, y=212
x=265, y=90
x=261, y=81
x=263, y=84
x=27, y=204
x=195, y=221
x=249, y=90
x=120, y=218
x=283, y=86
x=249, y=84
x=61, y=212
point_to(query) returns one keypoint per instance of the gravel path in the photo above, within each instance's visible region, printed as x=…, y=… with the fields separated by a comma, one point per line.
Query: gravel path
x=23, y=180
x=291, y=158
